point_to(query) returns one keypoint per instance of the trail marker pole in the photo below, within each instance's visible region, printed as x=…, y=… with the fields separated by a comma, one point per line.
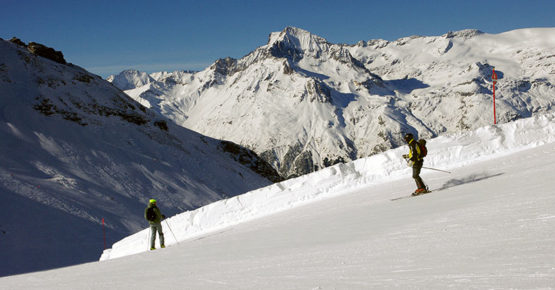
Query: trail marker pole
x=494, y=79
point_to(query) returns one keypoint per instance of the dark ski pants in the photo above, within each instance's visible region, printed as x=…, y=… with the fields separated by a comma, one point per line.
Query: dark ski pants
x=416, y=168
x=156, y=227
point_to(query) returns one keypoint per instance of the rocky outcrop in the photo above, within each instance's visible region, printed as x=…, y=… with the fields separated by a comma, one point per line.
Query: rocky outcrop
x=225, y=66
x=45, y=51
x=18, y=41
x=41, y=50
x=251, y=160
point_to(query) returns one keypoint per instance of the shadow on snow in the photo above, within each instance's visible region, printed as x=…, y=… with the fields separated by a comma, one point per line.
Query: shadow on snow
x=469, y=179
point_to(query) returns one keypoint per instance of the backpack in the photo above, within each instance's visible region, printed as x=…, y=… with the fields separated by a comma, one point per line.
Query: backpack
x=422, y=145
x=150, y=214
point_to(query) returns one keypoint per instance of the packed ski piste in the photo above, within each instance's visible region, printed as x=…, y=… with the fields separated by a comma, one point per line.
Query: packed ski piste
x=443, y=153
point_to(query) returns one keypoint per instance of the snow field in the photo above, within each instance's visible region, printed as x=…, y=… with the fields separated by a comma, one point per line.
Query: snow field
x=489, y=225
x=447, y=152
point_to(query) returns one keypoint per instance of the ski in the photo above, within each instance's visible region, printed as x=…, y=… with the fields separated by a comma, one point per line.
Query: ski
x=412, y=195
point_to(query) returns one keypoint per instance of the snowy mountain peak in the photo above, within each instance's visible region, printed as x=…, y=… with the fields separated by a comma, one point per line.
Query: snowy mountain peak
x=303, y=103
x=294, y=41
x=465, y=34
x=129, y=79
x=296, y=37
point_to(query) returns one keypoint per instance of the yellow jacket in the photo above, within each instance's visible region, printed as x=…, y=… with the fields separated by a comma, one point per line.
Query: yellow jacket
x=414, y=154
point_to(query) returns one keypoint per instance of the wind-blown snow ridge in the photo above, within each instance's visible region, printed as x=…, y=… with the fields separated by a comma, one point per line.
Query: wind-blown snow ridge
x=446, y=152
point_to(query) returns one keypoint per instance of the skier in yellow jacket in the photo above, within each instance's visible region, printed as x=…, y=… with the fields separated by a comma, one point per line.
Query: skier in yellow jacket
x=416, y=161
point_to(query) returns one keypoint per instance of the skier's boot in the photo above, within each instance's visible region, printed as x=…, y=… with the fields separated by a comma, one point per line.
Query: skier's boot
x=152, y=248
x=420, y=191
x=162, y=246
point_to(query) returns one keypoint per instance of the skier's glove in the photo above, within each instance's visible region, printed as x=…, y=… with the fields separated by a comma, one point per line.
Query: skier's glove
x=410, y=163
x=405, y=156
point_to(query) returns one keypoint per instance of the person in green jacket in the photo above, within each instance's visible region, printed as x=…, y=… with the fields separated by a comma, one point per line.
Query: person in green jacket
x=154, y=218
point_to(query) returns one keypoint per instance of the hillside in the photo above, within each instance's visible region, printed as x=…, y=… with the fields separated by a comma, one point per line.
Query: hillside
x=303, y=103
x=488, y=225
x=76, y=150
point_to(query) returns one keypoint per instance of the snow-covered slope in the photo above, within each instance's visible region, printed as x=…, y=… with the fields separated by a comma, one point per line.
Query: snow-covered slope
x=488, y=225
x=76, y=150
x=303, y=103
x=451, y=151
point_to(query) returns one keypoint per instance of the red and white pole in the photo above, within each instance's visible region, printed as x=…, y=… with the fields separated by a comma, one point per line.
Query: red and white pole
x=494, y=79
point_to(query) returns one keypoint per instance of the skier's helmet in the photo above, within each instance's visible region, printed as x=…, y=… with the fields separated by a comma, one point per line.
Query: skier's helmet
x=408, y=137
x=152, y=201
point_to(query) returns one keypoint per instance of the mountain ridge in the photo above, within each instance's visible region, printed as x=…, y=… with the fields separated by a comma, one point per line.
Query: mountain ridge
x=80, y=155
x=313, y=103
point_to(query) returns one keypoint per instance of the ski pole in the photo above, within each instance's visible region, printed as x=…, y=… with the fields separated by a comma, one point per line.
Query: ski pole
x=168, y=224
x=148, y=238
x=437, y=169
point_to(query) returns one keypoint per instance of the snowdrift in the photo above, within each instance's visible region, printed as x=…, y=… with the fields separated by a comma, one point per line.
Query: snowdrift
x=446, y=152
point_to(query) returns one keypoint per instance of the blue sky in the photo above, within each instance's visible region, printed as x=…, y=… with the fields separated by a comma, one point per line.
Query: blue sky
x=106, y=37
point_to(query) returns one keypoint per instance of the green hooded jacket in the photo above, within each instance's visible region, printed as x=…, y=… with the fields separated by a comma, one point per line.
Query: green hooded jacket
x=159, y=216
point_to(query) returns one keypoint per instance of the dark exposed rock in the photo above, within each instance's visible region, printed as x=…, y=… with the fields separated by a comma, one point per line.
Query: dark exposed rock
x=47, y=108
x=124, y=110
x=465, y=34
x=251, y=160
x=287, y=69
x=318, y=91
x=85, y=78
x=304, y=163
x=225, y=66
x=17, y=41
x=161, y=124
x=284, y=49
x=330, y=162
x=45, y=51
